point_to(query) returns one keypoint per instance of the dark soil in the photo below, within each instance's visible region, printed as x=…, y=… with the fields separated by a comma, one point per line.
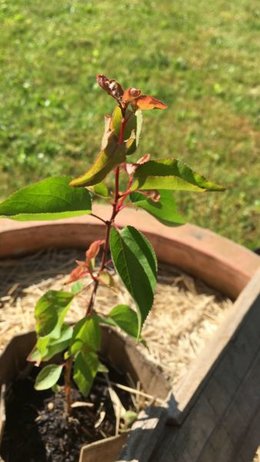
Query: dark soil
x=37, y=429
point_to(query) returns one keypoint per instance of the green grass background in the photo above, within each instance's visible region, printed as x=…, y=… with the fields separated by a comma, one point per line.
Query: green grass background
x=200, y=57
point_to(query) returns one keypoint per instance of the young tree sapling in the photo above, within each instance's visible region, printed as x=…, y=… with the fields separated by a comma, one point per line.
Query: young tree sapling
x=144, y=183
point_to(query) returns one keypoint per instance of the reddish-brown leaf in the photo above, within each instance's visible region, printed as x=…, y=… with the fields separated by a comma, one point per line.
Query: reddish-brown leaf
x=145, y=102
x=111, y=86
x=145, y=158
x=78, y=273
x=130, y=95
x=154, y=195
x=93, y=249
x=131, y=168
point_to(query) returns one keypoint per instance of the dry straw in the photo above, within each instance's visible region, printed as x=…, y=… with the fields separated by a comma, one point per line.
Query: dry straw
x=185, y=313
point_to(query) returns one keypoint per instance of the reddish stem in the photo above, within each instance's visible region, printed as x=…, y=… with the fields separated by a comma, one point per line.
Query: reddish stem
x=115, y=209
x=102, y=265
x=125, y=194
x=122, y=130
x=106, y=246
x=67, y=388
x=98, y=217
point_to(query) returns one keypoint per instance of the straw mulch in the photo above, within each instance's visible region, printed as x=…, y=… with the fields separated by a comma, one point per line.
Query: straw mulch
x=185, y=313
x=257, y=456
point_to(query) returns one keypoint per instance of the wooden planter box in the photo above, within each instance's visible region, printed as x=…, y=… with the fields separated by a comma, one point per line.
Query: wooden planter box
x=196, y=413
x=217, y=415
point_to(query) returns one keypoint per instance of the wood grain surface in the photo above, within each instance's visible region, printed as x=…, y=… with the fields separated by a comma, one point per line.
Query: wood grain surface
x=221, y=423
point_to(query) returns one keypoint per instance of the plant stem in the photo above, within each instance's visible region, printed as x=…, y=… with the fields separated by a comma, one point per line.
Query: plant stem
x=115, y=210
x=122, y=129
x=106, y=246
x=67, y=388
x=98, y=217
x=125, y=194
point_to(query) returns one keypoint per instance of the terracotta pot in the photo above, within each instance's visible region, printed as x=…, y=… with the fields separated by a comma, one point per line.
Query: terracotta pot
x=219, y=262
x=121, y=352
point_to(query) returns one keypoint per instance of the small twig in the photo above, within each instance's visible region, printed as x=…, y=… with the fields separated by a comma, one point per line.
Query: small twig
x=81, y=404
x=138, y=396
x=117, y=405
x=102, y=433
x=98, y=217
x=136, y=392
x=2, y=407
x=102, y=415
x=13, y=288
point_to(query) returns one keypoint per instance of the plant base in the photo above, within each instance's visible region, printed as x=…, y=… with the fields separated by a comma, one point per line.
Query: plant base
x=119, y=351
x=37, y=427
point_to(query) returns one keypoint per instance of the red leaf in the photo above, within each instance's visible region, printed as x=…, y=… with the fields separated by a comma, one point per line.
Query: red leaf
x=78, y=273
x=145, y=158
x=145, y=102
x=130, y=95
x=93, y=249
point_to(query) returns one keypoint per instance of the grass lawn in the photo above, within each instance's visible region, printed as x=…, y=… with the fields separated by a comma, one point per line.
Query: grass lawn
x=200, y=57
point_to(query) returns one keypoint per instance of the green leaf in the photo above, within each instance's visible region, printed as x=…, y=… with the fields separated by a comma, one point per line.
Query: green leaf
x=77, y=287
x=106, y=278
x=86, y=366
x=108, y=158
x=135, y=262
x=100, y=189
x=102, y=368
x=116, y=120
x=171, y=174
x=48, y=347
x=50, y=312
x=125, y=318
x=129, y=418
x=132, y=129
x=86, y=335
x=138, y=121
x=38, y=352
x=50, y=199
x=139, y=124
x=48, y=377
x=130, y=132
x=59, y=345
x=164, y=210
x=41, y=348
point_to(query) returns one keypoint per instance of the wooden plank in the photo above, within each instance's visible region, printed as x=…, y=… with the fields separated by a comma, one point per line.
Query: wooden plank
x=104, y=450
x=227, y=405
x=233, y=424
x=214, y=448
x=144, y=435
x=188, y=389
x=251, y=441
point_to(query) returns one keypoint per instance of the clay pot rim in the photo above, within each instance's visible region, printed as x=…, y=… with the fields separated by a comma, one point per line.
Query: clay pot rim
x=218, y=261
